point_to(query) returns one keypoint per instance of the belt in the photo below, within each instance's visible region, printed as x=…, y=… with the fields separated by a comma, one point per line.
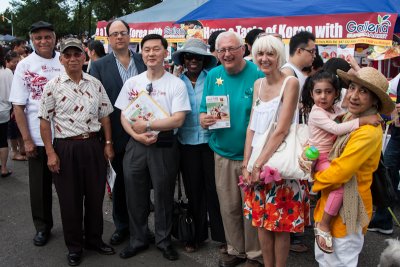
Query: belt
x=82, y=136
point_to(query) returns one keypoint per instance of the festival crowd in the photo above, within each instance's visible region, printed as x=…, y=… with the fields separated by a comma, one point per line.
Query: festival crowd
x=64, y=109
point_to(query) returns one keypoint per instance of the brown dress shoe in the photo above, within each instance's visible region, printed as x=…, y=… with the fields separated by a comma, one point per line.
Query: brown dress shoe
x=227, y=260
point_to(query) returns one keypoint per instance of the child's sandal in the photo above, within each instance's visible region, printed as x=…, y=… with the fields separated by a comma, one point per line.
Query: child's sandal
x=327, y=237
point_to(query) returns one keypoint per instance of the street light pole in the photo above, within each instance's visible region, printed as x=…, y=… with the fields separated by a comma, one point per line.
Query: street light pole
x=10, y=21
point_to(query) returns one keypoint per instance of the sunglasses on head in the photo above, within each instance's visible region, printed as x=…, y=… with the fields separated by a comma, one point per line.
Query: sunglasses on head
x=149, y=88
x=190, y=56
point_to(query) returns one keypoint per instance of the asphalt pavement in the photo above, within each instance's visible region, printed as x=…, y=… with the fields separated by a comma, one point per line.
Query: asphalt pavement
x=17, y=231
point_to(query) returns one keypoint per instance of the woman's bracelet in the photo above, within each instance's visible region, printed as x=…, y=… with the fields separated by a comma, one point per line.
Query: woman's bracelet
x=256, y=166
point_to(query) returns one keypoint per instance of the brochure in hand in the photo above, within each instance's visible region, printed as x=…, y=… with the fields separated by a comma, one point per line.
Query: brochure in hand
x=218, y=106
x=146, y=108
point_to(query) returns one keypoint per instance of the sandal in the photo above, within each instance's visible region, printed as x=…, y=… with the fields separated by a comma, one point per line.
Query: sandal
x=327, y=237
x=4, y=175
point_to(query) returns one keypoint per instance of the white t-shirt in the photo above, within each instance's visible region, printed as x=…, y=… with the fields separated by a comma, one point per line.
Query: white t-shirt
x=30, y=77
x=168, y=91
x=6, y=77
x=300, y=76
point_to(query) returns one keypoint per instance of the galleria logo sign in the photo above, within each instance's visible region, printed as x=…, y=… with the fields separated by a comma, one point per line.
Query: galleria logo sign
x=369, y=29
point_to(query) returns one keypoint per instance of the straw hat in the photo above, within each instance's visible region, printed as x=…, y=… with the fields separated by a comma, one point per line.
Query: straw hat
x=195, y=46
x=374, y=81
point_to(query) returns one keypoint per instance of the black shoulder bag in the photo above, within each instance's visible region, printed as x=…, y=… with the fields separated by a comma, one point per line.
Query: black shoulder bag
x=183, y=227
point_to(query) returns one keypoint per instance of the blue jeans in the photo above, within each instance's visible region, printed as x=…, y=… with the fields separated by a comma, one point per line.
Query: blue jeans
x=392, y=161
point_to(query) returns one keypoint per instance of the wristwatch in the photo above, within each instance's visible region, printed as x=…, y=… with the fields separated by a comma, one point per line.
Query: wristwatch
x=148, y=126
x=109, y=142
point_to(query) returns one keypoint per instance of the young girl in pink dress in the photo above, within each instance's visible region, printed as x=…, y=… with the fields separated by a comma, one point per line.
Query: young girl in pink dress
x=324, y=90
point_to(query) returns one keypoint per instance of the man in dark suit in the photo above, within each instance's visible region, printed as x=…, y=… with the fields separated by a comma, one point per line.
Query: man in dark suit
x=113, y=70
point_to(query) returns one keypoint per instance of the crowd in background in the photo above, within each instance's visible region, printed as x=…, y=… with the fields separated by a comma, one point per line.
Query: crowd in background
x=259, y=225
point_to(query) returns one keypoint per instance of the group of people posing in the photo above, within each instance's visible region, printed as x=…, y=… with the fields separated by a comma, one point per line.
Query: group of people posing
x=72, y=124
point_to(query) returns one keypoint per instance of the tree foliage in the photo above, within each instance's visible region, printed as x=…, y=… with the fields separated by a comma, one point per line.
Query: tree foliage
x=70, y=16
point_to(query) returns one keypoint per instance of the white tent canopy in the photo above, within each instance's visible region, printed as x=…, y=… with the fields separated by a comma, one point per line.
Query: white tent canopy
x=168, y=10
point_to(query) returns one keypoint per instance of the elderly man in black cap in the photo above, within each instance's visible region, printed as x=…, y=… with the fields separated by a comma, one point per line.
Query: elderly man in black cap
x=78, y=106
x=30, y=77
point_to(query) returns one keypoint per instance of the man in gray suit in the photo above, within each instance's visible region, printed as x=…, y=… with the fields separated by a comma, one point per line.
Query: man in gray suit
x=113, y=70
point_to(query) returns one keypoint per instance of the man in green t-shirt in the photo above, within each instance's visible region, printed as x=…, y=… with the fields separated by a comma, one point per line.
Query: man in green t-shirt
x=233, y=82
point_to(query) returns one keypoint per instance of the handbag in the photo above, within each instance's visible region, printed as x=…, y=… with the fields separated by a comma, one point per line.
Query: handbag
x=285, y=158
x=382, y=190
x=183, y=228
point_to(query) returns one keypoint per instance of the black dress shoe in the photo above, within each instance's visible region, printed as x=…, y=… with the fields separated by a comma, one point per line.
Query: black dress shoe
x=130, y=251
x=74, y=258
x=118, y=237
x=103, y=249
x=170, y=253
x=41, y=238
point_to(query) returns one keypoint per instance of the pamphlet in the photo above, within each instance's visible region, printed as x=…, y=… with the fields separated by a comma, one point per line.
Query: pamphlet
x=146, y=108
x=218, y=106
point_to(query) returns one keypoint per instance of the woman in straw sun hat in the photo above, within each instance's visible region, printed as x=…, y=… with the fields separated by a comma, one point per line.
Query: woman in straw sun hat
x=354, y=157
x=197, y=159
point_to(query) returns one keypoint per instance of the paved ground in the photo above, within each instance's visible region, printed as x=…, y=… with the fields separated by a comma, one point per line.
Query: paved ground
x=16, y=233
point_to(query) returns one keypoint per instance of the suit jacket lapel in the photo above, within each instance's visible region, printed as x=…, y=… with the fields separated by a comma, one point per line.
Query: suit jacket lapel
x=113, y=70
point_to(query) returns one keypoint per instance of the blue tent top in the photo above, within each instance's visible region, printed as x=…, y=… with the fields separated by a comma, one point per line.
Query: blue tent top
x=223, y=9
x=168, y=10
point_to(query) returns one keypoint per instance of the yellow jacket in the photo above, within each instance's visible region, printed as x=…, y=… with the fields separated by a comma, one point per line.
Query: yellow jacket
x=360, y=157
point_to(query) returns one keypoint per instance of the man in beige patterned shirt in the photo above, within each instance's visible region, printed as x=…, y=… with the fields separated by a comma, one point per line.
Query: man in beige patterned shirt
x=78, y=106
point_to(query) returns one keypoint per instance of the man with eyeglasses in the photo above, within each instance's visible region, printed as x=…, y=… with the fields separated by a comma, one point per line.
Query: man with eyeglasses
x=234, y=79
x=113, y=70
x=30, y=77
x=78, y=106
x=302, y=51
x=152, y=158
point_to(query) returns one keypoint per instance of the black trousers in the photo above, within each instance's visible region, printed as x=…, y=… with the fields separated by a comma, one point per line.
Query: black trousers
x=120, y=210
x=80, y=187
x=41, y=192
x=143, y=166
x=197, y=168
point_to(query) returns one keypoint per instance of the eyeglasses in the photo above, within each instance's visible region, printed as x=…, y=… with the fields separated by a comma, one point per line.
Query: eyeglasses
x=116, y=34
x=229, y=49
x=149, y=88
x=75, y=55
x=190, y=56
x=311, y=51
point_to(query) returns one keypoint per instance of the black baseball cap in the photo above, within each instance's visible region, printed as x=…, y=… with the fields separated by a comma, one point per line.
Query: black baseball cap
x=41, y=25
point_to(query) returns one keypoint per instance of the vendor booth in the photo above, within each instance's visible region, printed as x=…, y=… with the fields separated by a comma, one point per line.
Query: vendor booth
x=158, y=19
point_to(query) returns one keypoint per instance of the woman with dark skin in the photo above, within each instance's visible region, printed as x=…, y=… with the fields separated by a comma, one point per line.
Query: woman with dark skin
x=197, y=159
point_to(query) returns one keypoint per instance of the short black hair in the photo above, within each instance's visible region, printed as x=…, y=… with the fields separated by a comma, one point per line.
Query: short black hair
x=213, y=38
x=2, y=61
x=251, y=36
x=153, y=36
x=98, y=47
x=300, y=40
x=111, y=22
x=17, y=42
x=337, y=63
x=10, y=55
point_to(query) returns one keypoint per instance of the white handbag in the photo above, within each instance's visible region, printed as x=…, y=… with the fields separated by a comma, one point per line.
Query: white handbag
x=285, y=158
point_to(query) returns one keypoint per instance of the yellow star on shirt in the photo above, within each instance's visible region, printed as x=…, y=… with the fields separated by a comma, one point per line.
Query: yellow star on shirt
x=219, y=81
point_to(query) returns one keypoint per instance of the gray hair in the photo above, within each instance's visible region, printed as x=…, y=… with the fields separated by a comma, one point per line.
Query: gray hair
x=229, y=34
x=269, y=43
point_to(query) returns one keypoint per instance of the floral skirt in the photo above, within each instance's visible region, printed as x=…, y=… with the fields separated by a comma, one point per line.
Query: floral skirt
x=282, y=206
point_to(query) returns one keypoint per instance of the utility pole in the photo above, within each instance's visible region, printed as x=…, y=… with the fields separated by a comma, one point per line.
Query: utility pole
x=10, y=21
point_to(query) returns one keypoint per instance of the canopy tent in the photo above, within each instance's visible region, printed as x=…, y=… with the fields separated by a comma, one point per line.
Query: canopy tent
x=7, y=38
x=157, y=19
x=333, y=22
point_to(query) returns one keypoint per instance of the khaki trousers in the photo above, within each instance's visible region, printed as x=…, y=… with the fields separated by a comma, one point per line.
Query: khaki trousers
x=241, y=236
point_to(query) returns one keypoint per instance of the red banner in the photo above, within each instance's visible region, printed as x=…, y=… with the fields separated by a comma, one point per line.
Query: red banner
x=369, y=28
x=172, y=32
